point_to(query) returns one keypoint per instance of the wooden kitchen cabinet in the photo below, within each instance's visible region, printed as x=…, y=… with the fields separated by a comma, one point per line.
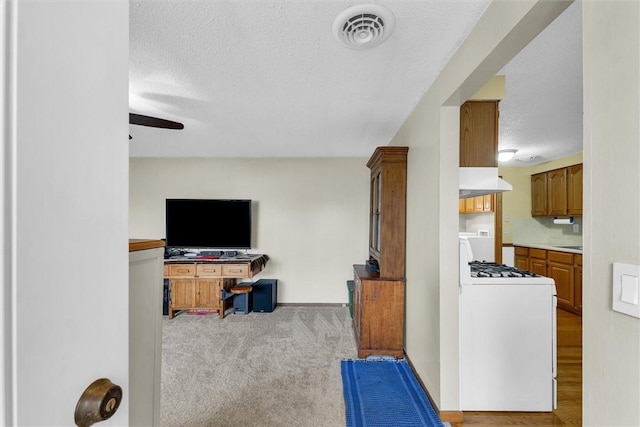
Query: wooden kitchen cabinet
x=478, y=204
x=574, y=190
x=538, y=261
x=560, y=269
x=577, y=280
x=557, y=192
x=565, y=268
x=479, y=134
x=521, y=258
x=539, y=194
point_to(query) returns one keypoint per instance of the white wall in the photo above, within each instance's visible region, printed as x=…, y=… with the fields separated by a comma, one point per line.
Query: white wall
x=432, y=133
x=64, y=74
x=310, y=215
x=611, y=344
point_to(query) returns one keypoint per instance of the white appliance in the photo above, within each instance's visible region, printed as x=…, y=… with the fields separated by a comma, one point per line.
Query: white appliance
x=482, y=246
x=507, y=337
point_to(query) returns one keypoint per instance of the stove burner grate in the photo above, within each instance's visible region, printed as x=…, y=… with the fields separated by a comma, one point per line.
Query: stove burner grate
x=492, y=269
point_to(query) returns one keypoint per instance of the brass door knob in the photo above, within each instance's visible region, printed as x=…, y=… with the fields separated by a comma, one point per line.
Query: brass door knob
x=98, y=402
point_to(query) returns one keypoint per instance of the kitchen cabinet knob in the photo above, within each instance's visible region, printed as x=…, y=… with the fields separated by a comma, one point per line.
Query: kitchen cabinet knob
x=98, y=402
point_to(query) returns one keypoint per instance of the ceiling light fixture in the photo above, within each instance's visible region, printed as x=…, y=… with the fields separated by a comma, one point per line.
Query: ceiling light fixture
x=363, y=26
x=506, y=155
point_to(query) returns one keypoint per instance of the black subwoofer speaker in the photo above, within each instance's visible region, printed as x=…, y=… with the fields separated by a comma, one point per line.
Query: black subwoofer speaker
x=265, y=295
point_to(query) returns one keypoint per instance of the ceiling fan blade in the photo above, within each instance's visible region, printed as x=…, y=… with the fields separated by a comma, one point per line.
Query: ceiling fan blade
x=154, y=122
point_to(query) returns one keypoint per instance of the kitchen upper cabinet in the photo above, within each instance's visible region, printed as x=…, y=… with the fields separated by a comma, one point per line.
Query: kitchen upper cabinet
x=539, y=194
x=557, y=192
x=574, y=189
x=479, y=134
x=477, y=204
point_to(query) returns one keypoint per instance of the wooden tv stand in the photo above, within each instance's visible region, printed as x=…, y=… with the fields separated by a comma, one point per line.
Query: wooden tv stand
x=196, y=284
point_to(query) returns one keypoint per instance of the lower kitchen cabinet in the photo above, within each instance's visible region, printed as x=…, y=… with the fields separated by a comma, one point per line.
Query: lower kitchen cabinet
x=560, y=269
x=538, y=261
x=521, y=258
x=378, y=314
x=564, y=268
x=577, y=278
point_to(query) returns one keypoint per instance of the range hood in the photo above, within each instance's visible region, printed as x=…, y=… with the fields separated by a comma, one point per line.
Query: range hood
x=478, y=181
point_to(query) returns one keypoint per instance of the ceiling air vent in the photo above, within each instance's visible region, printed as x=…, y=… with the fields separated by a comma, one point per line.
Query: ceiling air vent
x=363, y=26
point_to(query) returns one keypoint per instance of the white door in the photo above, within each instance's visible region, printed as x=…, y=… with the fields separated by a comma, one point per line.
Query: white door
x=64, y=176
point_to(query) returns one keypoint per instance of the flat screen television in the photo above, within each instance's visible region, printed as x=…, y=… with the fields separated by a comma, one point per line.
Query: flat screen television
x=208, y=223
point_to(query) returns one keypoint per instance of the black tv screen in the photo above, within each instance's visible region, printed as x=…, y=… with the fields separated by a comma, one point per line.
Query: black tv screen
x=208, y=223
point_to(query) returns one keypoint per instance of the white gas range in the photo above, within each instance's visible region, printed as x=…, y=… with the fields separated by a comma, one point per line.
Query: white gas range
x=507, y=337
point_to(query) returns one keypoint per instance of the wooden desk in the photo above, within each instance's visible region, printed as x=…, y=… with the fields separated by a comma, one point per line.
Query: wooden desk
x=196, y=284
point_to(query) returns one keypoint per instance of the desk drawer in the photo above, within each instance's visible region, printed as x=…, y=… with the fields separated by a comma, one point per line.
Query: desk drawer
x=209, y=270
x=235, y=270
x=182, y=270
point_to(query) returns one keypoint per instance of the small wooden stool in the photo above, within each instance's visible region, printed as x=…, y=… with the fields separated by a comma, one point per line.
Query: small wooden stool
x=242, y=301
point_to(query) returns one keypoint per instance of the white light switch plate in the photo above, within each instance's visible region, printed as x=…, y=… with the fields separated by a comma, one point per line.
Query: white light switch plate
x=626, y=289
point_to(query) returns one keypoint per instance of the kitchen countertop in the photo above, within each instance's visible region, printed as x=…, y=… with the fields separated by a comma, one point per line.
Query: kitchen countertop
x=550, y=247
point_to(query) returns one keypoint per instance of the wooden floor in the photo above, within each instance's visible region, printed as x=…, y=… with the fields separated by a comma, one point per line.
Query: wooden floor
x=569, y=378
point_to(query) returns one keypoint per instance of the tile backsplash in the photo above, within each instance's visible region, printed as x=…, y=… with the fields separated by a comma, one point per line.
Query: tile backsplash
x=542, y=230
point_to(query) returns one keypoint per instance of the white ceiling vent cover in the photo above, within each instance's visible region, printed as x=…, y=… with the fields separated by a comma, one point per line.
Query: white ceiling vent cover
x=363, y=26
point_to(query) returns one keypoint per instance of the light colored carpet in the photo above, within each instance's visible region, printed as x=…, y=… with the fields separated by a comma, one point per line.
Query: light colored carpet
x=261, y=369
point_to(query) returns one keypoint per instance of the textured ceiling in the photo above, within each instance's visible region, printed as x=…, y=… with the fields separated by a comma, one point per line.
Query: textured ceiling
x=268, y=79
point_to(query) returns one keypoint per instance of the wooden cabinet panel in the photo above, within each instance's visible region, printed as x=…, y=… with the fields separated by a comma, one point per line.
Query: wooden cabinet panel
x=488, y=203
x=208, y=270
x=477, y=204
x=387, y=214
x=208, y=293
x=479, y=134
x=577, y=271
x=557, y=192
x=574, y=190
x=234, y=270
x=187, y=270
x=538, y=266
x=538, y=261
x=183, y=293
x=539, y=194
x=562, y=274
x=378, y=314
x=521, y=258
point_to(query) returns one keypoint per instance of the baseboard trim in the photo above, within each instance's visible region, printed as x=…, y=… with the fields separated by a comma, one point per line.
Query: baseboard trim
x=446, y=416
x=312, y=304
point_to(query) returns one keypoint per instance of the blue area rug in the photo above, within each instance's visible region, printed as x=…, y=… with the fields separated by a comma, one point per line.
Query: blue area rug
x=384, y=393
